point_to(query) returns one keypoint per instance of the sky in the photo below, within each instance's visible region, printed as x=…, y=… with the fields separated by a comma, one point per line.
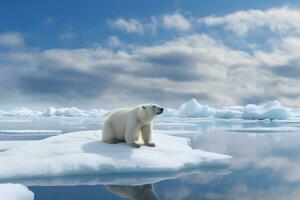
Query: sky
x=105, y=54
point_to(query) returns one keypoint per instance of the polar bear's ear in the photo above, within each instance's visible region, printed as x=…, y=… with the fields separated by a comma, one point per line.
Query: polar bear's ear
x=144, y=107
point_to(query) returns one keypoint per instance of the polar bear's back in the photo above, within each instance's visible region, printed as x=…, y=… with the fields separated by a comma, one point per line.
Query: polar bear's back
x=119, y=120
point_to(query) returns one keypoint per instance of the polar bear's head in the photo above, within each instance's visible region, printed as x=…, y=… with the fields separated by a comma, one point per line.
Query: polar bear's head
x=147, y=112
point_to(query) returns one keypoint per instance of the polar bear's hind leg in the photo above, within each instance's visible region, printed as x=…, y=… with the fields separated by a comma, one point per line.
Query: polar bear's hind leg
x=108, y=134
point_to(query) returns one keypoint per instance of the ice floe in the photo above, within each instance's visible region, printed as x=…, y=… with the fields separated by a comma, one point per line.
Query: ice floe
x=179, y=132
x=229, y=112
x=168, y=112
x=21, y=113
x=83, y=153
x=191, y=109
x=194, y=109
x=119, y=179
x=266, y=129
x=73, y=112
x=270, y=110
x=34, y=131
x=5, y=145
x=10, y=191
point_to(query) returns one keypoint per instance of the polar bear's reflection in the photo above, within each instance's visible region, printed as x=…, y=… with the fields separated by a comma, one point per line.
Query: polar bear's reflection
x=141, y=192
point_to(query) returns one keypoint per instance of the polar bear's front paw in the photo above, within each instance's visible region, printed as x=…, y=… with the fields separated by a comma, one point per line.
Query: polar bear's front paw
x=150, y=144
x=135, y=145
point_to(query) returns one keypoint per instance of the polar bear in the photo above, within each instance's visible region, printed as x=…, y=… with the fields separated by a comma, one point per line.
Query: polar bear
x=127, y=124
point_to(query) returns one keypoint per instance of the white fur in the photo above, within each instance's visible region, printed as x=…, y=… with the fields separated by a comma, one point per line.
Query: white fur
x=128, y=124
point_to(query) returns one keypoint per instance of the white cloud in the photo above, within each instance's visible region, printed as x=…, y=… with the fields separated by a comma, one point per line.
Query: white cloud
x=278, y=20
x=184, y=67
x=176, y=21
x=11, y=39
x=114, y=41
x=129, y=26
x=284, y=52
x=195, y=61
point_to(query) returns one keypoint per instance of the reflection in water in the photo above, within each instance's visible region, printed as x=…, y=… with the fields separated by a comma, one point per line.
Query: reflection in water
x=264, y=166
x=129, y=186
x=140, y=192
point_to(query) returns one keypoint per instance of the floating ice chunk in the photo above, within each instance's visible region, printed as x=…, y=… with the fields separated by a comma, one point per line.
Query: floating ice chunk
x=266, y=129
x=73, y=112
x=70, y=112
x=22, y=112
x=194, y=109
x=295, y=112
x=10, y=191
x=229, y=112
x=270, y=110
x=83, y=153
x=35, y=131
x=169, y=112
x=97, y=112
x=179, y=132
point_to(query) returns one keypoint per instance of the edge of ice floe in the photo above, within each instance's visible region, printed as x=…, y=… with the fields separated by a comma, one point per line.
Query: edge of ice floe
x=12, y=191
x=208, y=159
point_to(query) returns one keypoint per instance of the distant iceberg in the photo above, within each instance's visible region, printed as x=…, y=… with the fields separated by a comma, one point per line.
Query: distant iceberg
x=169, y=112
x=83, y=153
x=191, y=109
x=270, y=110
x=10, y=191
x=194, y=109
x=265, y=129
x=229, y=112
x=73, y=112
x=20, y=113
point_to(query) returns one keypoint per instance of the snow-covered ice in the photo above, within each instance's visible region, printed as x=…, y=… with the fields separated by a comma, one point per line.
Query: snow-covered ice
x=10, y=191
x=83, y=153
x=20, y=112
x=5, y=145
x=35, y=131
x=266, y=129
x=270, y=110
x=169, y=112
x=72, y=112
x=178, y=132
x=190, y=109
x=52, y=111
x=229, y=112
x=194, y=109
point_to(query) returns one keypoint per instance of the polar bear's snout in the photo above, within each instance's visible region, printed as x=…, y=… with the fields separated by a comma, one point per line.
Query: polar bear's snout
x=158, y=110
